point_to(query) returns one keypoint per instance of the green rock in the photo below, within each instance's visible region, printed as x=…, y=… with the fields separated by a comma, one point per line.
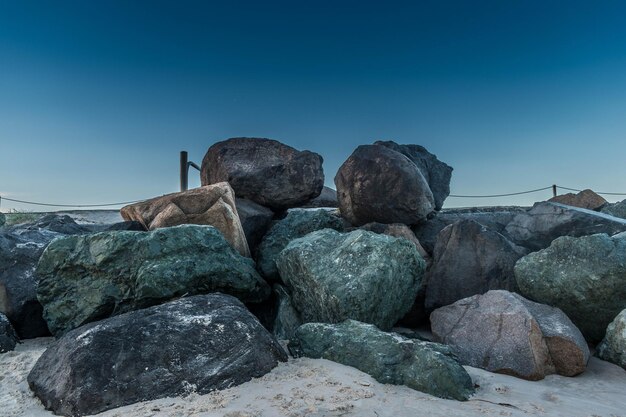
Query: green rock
x=583, y=276
x=388, y=357
x=3, y=219
x=84, y=278
x=287, y=318
x=616, y=209
x=359, y=275
x=613, y=346
x=298, y=223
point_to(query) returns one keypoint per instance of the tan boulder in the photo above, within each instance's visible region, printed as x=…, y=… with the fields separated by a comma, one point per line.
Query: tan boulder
x=212, y=205
x=586, y=199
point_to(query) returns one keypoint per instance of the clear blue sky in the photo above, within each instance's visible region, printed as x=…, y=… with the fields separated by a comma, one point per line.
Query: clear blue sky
x=98, y=97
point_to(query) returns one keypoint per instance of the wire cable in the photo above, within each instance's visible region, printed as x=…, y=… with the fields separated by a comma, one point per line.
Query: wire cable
x=500, y=195
x=70, y=205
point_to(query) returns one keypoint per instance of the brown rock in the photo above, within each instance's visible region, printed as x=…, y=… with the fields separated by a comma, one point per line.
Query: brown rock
x=212, y=205
x=398, y=230
x=586, y=199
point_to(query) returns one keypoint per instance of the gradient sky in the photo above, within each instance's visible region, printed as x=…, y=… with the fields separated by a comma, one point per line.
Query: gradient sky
x=98, y=97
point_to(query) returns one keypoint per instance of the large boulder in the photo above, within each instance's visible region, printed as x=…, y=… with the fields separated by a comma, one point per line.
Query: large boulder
x=197, y=344
x=212, y=205
x=585, y=277
x=538, y=227
x=255, y=220
x=265, y=171
x=436, y=173
x=613, y=346
x=469, y=259
x=378, y=184
x=586, y=199
x=90, y=277
x=503, y=332
x=358, y=275
x=21, y=247
x=397, y=230
x=326, y=199
x=296, y=224
x=387, y=357
x=8, y=337
x=616, y=209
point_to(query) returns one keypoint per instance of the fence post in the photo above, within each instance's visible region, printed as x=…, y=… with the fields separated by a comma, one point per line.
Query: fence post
x=184, y=171
x=554, y=190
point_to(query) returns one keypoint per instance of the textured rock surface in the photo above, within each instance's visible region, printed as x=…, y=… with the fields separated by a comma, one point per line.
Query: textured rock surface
x=586, y=199
x=378, y=184
x=538, y=227
x=613, y=346
x=585, y=277
x=616, y=209
x=265, y=171
x=327, y=198
x=8, y=337
x=212, y=205
x=296, y=224
x=436, y=173
x=388, y=357
x=255, y=220
x=502, y=332
x=397, y=230
x=470, y=259
x=91, y=277
x=20, y=248
x=2, y=219
x=195, y=344
x=287, y=317
x=358, y=275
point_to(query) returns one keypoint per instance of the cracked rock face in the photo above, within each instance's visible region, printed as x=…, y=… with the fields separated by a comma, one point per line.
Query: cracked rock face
x=196, y=344
x=505, y=333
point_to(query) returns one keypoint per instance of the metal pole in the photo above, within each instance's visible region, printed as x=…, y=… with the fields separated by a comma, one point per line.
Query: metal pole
x=184, y=171
x=554, y=190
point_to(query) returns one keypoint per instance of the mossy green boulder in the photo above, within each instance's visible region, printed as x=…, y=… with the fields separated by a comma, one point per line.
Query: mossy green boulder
x=387, y=357
x=90, y=277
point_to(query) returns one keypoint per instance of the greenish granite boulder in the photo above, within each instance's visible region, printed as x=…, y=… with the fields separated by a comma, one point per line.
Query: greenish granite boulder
x=613, y=346
x=359, y=275
x=90, y=277
x=616, y=209
x=583, y=276
x=387, y=357
x=287, y=318
x=296, y=224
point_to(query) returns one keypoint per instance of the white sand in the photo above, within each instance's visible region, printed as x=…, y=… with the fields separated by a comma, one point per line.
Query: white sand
x=307, y=387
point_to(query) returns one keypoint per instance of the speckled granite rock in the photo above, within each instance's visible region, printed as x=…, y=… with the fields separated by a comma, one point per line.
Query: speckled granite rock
x=613, y=346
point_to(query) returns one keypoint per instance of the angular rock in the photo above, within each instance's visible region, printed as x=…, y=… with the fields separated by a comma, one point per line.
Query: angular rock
x=296, y=224
x=212, y=205
x=613, y=346
x=90, y=277
x=586, y=199
x=255, y=220
x=358, y=275
x=436, y=173
x=538, y=227
x=287, y=318
x=387, y=357
x=378, y=184
x=265, y=171
x=616, y=209
x=397, y=230
x=503, y=332
x=469, y=259
x=8, y=337
x=20, y=249
x=585, y=277
x=196, y=344
x=327, y=199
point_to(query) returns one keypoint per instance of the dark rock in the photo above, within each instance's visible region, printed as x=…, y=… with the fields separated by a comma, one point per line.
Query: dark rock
x=613, y=346
x=469, y=259
x=378, y=184
x=296, y=224
x=327, y=199
x=436, y=173
x=585, y=277
x=287, y=317
x=398, y=230
x=615, y=209
x=503, y=332
x=197, y=344
x=90, y=277
x=255, y=220
x=130, y=225
x=265, y=171
x=387, y=357
x=3, y=219
x=358, y=275
x=538, y=227
x=8, y=337
x=586, y=199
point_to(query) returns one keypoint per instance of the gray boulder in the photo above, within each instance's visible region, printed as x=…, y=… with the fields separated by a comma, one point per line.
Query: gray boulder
x=196, y=344
x=616, y=209
x=90, y=277
x=388, y=357
x=287, y=318
x=255, y=220
x=3, y=219
x=8, y=337
x=503, y=332
x=296, y=224
x=358, y=275
x=469, y=259
x=436, y=173
x=585, y=277
x=538, y=227
x=613, y=346
x=327, y=199
x=265, y=171
x=378, y=184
